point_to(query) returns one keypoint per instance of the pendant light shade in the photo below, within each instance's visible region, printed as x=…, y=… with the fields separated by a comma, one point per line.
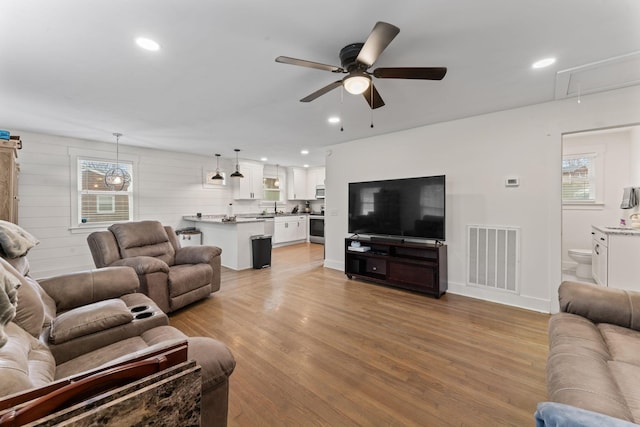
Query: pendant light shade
x=117, y=179
x=237, y=173
x=276, y=183
x=217, y=178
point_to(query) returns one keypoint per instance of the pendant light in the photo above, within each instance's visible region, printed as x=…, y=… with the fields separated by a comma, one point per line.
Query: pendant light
x=117, y=179
x=237, y=173
x=276, y=183
x=217, y=178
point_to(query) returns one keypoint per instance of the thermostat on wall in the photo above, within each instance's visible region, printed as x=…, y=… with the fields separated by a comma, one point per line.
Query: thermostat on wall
x=512, y=182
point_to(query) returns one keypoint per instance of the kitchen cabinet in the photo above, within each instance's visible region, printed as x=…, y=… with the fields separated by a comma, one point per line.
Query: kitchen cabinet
x=290, y=229
x=250, y=187
x=9, y=170
x=302, y=183
x=615, y=258
x=297, y=184
x=315, y=177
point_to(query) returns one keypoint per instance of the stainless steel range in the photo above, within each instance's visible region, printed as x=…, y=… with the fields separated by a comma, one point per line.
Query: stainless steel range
x=316, y=228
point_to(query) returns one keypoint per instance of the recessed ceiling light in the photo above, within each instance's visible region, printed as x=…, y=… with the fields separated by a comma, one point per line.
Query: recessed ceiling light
x=147, y=44
x=304, y=152
x=334, y=120
x=543, y=63
x=306, y=166
x=263, y=159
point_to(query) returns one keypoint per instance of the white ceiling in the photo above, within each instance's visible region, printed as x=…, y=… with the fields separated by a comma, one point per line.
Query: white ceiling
x=71, y=67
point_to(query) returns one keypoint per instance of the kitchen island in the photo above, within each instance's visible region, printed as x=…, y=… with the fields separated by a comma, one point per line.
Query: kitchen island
x=233, y=237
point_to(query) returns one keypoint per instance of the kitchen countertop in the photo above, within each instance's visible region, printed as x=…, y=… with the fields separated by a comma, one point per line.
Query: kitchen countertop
x=242, y=218
x=626, y=231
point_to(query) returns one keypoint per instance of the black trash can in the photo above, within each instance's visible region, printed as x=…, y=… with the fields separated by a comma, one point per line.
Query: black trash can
x=261, y=248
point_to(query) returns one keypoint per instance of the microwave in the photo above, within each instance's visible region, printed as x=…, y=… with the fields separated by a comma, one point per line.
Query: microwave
x=320, y=192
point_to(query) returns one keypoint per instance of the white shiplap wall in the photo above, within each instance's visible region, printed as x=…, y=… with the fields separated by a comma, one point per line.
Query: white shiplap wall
x=169, y=186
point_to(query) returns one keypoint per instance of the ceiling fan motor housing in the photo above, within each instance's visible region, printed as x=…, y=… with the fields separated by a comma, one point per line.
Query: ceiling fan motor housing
x=348, y=56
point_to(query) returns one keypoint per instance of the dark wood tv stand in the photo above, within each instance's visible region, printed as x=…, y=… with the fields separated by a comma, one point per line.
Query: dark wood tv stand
x=420, y=267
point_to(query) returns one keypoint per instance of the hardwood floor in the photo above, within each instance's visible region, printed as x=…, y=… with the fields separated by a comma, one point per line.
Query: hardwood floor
x=316, y=349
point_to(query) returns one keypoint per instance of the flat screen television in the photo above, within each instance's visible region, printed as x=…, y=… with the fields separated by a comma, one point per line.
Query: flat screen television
x=405, y=208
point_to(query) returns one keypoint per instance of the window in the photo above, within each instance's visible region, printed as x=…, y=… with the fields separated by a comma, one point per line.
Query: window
x=271, y=190
x=579, y=178
x=96, y=202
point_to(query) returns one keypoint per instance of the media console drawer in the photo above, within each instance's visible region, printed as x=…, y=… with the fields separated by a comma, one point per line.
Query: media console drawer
x=375, y=265
x=416, y=276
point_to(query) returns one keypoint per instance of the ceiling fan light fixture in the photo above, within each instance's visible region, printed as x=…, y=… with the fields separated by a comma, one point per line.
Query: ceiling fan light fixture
x=356, y=84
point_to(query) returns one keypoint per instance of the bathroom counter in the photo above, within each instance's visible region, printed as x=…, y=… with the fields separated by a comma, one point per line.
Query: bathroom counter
x=623, y=231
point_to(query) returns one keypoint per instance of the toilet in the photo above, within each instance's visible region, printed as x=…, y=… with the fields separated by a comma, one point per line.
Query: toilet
x=583, y=258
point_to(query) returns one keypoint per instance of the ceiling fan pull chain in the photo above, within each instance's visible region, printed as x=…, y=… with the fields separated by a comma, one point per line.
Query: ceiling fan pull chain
x=341, y=102
x=373, y=101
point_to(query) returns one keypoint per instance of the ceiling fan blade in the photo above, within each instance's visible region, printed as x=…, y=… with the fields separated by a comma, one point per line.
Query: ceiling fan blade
x=380, y=37
x=308, y=64
x=377, y=101
x=421, y=73
x=322, y=91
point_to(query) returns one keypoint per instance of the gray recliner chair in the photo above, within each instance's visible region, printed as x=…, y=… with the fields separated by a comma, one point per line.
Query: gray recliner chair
x=171, y=276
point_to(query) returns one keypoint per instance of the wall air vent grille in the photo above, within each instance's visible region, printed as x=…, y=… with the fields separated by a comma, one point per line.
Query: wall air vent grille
x=493, y=257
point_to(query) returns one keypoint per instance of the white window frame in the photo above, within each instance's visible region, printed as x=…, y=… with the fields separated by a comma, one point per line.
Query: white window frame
x=282, y=191
x=77, y=154
x=597, y=152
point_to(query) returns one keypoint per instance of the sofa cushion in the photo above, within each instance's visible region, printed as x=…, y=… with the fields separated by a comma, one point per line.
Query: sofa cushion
x=156, y=338
x=9, y=285
x=14, y=240
x=628, y=377
x=623, y=343
x=29, y=312
x=578, y=334
x=600, y=304
x=187, y=277
x=89, y=319
x=25, y=362
x=144, y=238
x=578, y=371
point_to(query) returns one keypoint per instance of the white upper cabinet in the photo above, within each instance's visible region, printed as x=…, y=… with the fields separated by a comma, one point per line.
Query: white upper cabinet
x=302, y=183
x=249, y=187
x=297, y=184
x=315, y=177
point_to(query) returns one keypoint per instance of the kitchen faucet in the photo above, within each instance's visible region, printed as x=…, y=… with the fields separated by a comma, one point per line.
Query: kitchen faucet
x=275, y=208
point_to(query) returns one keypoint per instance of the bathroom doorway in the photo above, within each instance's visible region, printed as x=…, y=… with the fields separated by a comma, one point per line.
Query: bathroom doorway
x=597, y=166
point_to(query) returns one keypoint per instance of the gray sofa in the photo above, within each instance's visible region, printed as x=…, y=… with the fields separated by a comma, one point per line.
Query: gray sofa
x=594, y=353
x=66, y=325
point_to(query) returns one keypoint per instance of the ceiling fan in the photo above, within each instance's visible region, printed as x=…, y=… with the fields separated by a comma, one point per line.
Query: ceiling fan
x=357, y=58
